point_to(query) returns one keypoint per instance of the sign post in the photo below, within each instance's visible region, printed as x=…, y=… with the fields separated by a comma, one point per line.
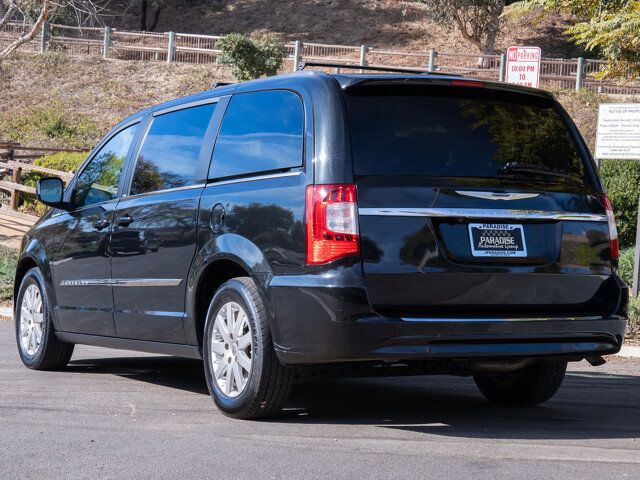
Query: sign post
x=523, y=66
x=618, y=137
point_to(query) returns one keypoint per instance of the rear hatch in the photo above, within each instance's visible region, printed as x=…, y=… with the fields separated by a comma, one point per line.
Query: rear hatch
x=476, y=201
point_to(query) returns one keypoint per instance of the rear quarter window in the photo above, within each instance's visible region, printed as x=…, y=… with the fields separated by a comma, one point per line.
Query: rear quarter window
x=260, y=132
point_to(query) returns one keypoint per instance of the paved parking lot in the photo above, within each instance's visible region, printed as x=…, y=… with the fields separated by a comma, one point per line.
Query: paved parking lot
x=116, y=414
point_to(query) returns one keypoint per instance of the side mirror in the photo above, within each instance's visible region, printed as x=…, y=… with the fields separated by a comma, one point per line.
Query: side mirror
x=50, y=191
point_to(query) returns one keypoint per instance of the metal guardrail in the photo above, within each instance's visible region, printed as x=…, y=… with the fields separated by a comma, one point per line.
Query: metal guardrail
x=16, y=158
x=193, y=48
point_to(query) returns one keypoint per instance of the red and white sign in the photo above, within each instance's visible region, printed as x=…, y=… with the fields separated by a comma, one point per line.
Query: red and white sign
x=523, y=66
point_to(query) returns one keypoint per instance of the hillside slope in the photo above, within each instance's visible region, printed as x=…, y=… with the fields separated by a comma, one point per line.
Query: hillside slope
x=61, y=100
x=396, y=24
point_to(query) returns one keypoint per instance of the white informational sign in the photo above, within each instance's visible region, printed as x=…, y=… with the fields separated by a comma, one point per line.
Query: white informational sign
x=523, y=66
x=618, y=131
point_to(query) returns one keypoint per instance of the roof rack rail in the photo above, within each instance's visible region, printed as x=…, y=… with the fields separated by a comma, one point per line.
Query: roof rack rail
x=216, y=84
x=372, y=68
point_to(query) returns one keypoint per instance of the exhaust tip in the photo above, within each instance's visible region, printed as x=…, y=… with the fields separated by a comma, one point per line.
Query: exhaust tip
x=595, y=360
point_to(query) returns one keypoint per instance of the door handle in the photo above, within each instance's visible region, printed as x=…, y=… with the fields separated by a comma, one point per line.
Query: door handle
x=124, y=220
x=100, y=224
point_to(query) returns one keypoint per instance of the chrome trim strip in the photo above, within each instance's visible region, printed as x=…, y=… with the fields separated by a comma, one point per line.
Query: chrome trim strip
x=482, y=213
x=166, y=190
x=122, y=282
x=254, y=178
x=497, y=195
x=588, y=318
x=84, y=283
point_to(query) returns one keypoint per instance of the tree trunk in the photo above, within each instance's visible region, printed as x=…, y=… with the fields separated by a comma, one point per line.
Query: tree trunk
x=143, y=15
x=156, y=17
x=487, y=49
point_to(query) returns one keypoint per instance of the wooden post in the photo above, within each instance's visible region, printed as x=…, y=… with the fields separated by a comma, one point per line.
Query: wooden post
x=636, y=258
x=579, y=73
x=503, y=67
x=15, y=177
x=432, y=60
x=297, y=55
x=171, y=47
x=44, y=37
x=107, y=42
x=363, y=56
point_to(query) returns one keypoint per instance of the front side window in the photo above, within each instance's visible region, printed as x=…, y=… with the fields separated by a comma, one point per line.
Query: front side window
x=261, y=132
x=99, y=180
x=169, y=155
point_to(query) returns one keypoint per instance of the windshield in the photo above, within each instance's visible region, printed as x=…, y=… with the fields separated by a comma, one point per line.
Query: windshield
x=427, y=130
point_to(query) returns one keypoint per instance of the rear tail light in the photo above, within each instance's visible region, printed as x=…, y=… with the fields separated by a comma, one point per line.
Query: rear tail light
x=613, y=231
x=332, y=222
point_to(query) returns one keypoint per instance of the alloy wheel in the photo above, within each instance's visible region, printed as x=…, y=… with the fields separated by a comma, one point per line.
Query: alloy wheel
x=231, y=349
x=31, y=318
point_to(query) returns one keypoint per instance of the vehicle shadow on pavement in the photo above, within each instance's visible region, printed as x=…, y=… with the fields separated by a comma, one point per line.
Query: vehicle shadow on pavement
x=589, y=405
x=180, y=373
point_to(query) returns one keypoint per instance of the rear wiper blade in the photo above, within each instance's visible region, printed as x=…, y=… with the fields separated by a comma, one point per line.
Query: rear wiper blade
x=529, y=168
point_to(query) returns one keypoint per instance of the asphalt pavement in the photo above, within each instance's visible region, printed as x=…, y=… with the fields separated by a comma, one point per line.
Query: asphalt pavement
x=118, y=414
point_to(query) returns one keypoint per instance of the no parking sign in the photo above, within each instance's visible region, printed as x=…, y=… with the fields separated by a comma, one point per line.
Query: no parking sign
x=523, y=66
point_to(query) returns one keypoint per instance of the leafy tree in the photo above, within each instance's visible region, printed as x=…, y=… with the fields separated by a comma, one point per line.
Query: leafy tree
x=477, y=20
x=608, y=27
x=251, y=58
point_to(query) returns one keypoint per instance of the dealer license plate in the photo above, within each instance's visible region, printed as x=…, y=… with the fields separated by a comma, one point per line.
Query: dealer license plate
x=497, y=240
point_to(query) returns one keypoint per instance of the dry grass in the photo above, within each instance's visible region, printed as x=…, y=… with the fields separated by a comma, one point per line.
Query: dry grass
x=54, y=99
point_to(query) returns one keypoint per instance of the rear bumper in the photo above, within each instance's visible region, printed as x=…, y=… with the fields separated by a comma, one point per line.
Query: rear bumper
x=327, y=319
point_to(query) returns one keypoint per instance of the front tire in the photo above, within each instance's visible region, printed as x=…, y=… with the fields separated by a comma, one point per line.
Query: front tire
x=38, y=345
x=244, y=376
x=531, y=385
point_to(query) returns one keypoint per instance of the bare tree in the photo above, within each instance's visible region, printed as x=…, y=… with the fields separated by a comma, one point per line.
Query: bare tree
x=84, y=11
x=477, y=20
x=31, y=31
x=7, y=13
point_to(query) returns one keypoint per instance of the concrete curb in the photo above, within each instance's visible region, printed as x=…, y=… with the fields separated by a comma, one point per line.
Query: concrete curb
x=629, y=351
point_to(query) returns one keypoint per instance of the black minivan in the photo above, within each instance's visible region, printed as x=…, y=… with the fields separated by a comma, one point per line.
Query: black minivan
x=333, y=224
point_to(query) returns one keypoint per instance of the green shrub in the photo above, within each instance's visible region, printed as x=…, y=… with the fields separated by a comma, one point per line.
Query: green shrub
x=626, y=272
x=625, y=265
x=622, y=179
x=634, y=318
x=64, y=161
x=8, y=263
x=251, y=58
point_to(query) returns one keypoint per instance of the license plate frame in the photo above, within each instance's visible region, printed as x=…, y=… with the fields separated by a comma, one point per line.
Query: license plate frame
x=502, y=240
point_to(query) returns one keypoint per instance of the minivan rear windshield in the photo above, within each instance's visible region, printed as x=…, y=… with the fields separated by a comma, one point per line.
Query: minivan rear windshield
x=445, y=131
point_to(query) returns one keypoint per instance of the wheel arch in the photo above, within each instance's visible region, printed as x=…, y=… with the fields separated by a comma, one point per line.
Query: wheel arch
x=223, y=258
x=33, y=256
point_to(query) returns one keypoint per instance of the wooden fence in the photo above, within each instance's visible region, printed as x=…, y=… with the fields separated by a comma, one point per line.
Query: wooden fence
x=16, y=159
x=191, y=48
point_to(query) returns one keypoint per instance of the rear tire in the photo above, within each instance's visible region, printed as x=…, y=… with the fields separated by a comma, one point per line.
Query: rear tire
x=531, y=385
x=259, y=384
x=38, y=345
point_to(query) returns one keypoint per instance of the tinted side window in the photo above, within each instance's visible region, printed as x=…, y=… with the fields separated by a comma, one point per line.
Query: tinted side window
x=169, y=155
x=99, y=180
x=261, y=131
